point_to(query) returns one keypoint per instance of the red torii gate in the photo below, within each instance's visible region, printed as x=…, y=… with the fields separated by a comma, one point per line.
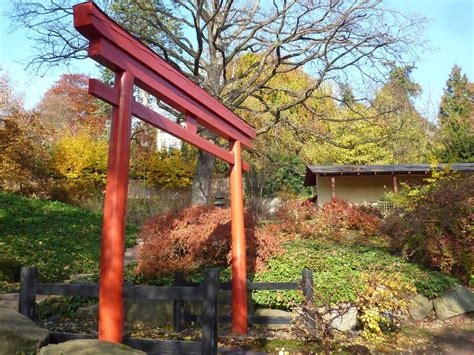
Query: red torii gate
x=135, y=64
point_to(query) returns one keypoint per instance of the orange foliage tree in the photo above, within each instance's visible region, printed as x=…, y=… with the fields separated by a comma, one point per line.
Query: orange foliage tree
x=67, y=106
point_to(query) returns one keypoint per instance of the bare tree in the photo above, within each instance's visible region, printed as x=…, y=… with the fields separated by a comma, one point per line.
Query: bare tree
x=334, y=41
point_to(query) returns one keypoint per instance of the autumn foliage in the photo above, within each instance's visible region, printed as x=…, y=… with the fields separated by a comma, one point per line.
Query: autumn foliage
x=339, y=214
x=437, y=230
x=306, y=220
x=197, y=237
x=67, y=106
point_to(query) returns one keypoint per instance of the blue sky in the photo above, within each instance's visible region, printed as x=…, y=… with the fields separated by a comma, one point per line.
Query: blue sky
x=450, y=34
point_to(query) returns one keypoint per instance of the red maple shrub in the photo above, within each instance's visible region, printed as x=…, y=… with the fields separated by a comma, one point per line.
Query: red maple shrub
x=198, y=237
x=296, y=219
x=436, y=229
x=339, y=214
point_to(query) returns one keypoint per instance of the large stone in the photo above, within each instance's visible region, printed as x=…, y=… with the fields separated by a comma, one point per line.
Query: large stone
x=343, y=320
x=342, y=317
x=18, y=334
x=458, y=301
x=420, y=306
x=272, y=205
x=153, y=313
x=268, y=312
x=88, y=347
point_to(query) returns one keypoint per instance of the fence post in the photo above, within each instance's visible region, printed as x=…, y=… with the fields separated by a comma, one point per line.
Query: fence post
x=210, y=315
x=308, y=284
x=28, y=280
x=308, y=292
x=178, y=305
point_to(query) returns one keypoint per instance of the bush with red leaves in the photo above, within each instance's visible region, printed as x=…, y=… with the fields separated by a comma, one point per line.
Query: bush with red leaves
x=339, y=214
x=437, y=230
x=198, y=237
x=296, y=219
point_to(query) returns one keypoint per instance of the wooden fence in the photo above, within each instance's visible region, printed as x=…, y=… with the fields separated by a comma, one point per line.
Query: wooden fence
x=207, y=293
x=180, y=316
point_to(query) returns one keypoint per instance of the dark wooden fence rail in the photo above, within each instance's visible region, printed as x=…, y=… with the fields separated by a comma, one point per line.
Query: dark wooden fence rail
x=305, y=285
x=207, y=293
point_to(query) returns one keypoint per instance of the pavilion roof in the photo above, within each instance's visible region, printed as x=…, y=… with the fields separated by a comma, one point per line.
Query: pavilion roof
x=399, y=169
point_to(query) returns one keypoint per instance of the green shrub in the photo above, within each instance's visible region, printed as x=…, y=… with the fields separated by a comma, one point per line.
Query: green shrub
x=10, y=269
x=433, y=284
x=65, y=306
x=278, y=174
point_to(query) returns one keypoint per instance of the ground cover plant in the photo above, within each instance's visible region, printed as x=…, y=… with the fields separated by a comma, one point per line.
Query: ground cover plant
x=58, y=239
x=339, y=272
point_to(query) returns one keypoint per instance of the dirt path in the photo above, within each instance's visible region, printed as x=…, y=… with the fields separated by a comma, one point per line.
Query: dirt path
x=453, y=336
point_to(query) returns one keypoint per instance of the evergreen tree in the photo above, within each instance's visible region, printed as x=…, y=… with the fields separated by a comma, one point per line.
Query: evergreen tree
x=454, y=120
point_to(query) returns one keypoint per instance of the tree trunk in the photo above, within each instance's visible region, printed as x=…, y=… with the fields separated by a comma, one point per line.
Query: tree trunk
x=201, y=191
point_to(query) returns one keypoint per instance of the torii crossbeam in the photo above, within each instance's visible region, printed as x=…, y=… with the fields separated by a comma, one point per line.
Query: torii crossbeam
x=135, y=64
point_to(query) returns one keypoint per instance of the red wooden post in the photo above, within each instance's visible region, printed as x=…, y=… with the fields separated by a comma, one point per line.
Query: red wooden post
x=333, y=187
x=239, y=273
x=395, y=184
x=115, y=207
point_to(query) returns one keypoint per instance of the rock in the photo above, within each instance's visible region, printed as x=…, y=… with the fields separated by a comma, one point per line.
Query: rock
x=420, y=306
x=88, y=347
x=458, y=301
x=268, y=312
x=343, y=320
x=88, y=312
x=149, y=312
x=272, y=205
x=18, y=334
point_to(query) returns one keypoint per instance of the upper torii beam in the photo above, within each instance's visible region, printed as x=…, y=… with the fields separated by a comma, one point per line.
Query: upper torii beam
x=135, y=64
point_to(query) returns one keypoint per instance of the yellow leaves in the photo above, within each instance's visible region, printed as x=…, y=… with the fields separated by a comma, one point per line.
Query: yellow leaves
x=166, y=168
x=81, y=157
x=23, y=160
x=385, y=295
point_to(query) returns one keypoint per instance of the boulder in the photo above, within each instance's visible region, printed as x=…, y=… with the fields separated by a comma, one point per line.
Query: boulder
x=420, y=306
x=18, y=334
x=268, y=312
x=153, y=313
x=343, y=320
x=272, y=205
x=457, y=301
x=88, y=347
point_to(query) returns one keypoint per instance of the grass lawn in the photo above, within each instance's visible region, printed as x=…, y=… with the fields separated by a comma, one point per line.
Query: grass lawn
x=58, y=239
